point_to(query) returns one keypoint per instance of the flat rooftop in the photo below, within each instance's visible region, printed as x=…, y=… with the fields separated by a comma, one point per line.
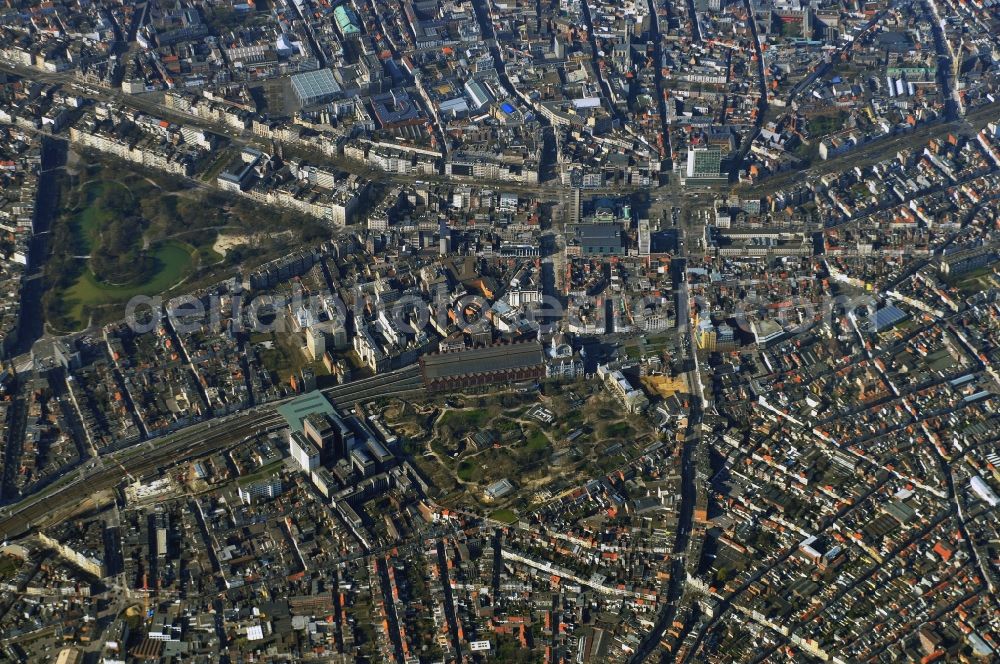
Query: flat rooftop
x=489, y=359
x=296, y=410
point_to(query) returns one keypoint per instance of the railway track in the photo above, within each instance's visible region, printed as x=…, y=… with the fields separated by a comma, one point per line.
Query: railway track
x=113, y=469
x=404, y=382
x=197, y=440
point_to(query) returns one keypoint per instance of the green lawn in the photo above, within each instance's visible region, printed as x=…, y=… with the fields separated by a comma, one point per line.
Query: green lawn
x=208, y=256
x=619, y=430
x=469, y=471
x=537, y=442
x=8, y=566
x=263, y=472
x=632, y=351
x=821, y=125
x=657, y=343
x=465, y=420
x=174, y=261
x=974, y=282
x=92, y=218
x=285, y=358
x=212, y=172
x=504, y=516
